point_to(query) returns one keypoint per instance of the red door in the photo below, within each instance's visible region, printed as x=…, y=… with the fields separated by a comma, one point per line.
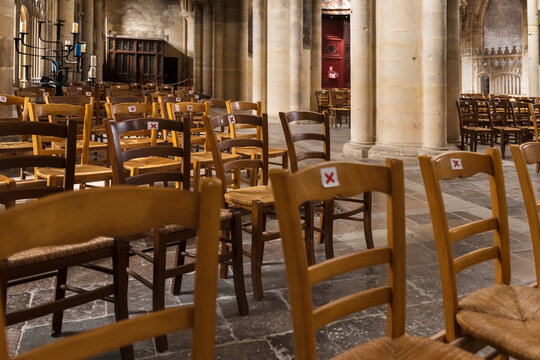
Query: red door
x=335, y=52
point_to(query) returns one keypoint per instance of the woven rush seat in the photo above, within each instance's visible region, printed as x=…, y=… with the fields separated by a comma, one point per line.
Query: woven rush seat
x=250, y=150
x=81, y=171
x=205, y=157
x=478, y=128
x=92, y=145
x=133, y=142
x=245, y=196
x=47, y=253
x=404, y=347
x=152, y=162
x=9, y=146
x=507, y=128
x=489, y=314
x=224, y=214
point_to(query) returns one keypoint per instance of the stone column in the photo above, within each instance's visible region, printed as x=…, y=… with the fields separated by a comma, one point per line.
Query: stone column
x=278, y=59
x=244, y=85
x=316, y=51
x=362, y=89
x=259, y=52
x=198, y=45
x=207, y=53
x=533, y=48
x=87, y=31
x=296, y=91
x=100, y=40
x=218, y=49
x=434, y=74
x=453, y=69
x=399, y=92
x=6, y=55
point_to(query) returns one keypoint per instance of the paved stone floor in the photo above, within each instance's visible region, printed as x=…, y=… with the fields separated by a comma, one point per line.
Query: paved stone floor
x=266, y=333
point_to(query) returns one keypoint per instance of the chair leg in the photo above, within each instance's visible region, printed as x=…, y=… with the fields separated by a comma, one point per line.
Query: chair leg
x=59, y=294
x=285, y=161
x=367, y=221
x=257, y=249
x=328, y=229
x=179, y=261
x=238, y=265
x=158, y=291
x=321, y=226
x=308, y=232
x=225, y=248
x=120, y=264
x=503, y=143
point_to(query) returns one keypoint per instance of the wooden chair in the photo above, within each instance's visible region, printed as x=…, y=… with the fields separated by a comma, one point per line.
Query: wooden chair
x=500, y=120
x=323, y=100
x=84, y=172
x=166, y=236
x=500, y=315
x=123, y=111
x=306, y=185
x=521, y=117
x=20, y=105
x=79, y=89
x=243, y=107
x=469, y=126
x=26, y=266
x=339, y=111
x=256, y=200
x=296, y=155
x=523, y=155
x=126, y=99
x=127, y=211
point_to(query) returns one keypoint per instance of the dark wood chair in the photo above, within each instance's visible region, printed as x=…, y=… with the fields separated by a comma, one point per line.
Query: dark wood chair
x=501, y=315
x=122, y=212
x=521, y=117
x=309, y=184
x=297, y=155
x=470, y=128
x=323, y=100
x=502, y=123
x=20, y=105
x=19, y=267
x=339, y=107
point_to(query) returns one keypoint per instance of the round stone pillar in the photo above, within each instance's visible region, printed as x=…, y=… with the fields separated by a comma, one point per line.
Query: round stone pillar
x=295, y=14
x=207, y=51
x=434, y=74
x=278, y=61
x=259, y=52
x=315, y=51
x=453, y=70
x=533, y=48
x=362, y=89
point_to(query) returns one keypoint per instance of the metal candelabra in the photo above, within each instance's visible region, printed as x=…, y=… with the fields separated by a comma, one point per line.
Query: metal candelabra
x=54, y=51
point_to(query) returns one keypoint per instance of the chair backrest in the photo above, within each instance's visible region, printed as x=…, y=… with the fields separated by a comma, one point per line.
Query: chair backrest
x=500, y=113
x=462, y=164
x=338, y=98
x=78, y=114
x=68, y=99
x=162, y=100
x=210, y=126
x=122, y=212
x=526, y=154
x=19, y=104
x=216, y=107
x=467, y=113
x=115, y=130
x=534, y=110
x=325, y=181
x=79, y=89
x=33, y=188
x=126, y=110
x=323, y=100
x=127, y=99
x=295, y=154
x=520, y=113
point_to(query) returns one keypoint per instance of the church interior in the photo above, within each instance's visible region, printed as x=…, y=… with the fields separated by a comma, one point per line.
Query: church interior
x=316, y=179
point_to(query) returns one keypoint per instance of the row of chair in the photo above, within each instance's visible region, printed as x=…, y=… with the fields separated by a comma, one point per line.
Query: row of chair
x=478, y=315
x=338, y=104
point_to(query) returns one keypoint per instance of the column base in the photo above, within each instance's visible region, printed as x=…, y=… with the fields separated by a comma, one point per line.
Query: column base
x=408, y=154
x=356, y=150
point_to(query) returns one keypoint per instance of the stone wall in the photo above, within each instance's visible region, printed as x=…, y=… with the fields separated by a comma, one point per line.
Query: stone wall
x=502, y=24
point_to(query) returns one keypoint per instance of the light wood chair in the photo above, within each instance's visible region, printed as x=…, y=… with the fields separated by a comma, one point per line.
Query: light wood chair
x=328, y=215
x=245, y=107
x=84, y=172
x=293, y=190
x=256, y=200
x=127, y=211
x=340, y=109
x=501, y=315
x=20, y=105
x=523, y=155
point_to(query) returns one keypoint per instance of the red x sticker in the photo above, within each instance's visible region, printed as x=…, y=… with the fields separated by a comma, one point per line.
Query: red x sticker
x=329, y=177
x=456, y=164
x=152, y=125
x=45, y=94
x=79, y=89
x=132, y=109
x=231, y=118
x=189, y=107
x=3, y=98
x=89, y=93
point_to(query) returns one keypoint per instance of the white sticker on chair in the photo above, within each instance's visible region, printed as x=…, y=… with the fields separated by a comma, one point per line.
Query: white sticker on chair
x=89, y=93
x=3, y=98
x=190, y=92
x=456, y=164
x=189, y=107
x=45, y=94
x=152, y=125
x=178, y=99
x=329, y=177
x=196, y=97
x=132, y=109
x=79, y=88
x=231, y=118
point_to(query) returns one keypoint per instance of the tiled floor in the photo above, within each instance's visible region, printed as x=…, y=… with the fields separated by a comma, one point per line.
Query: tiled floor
x=266, y=333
